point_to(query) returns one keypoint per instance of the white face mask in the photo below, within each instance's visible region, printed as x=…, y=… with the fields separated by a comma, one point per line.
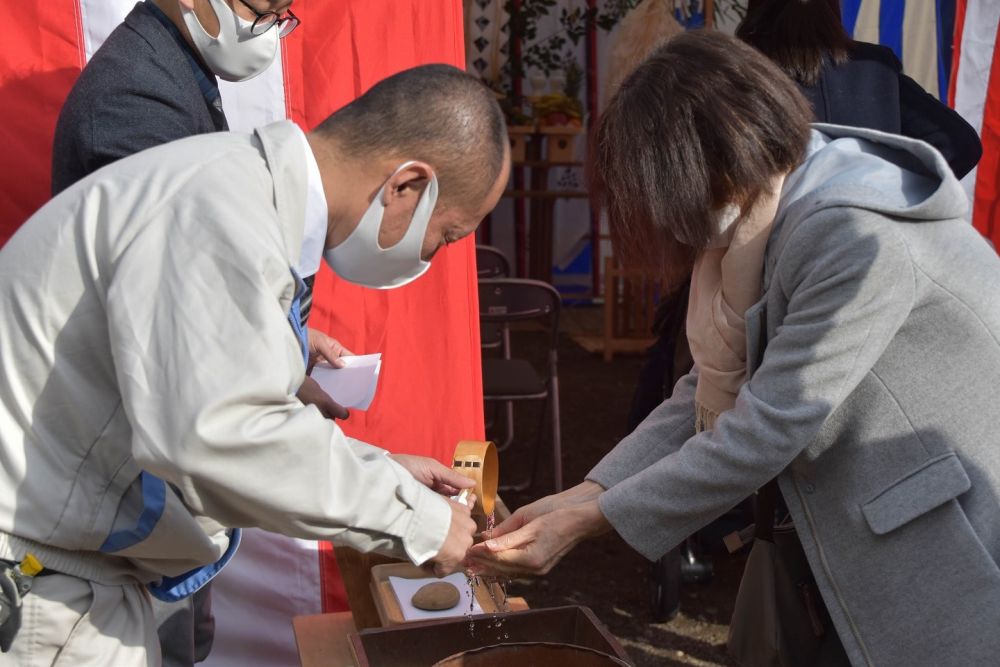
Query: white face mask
x=236, y=54
x=360, y=259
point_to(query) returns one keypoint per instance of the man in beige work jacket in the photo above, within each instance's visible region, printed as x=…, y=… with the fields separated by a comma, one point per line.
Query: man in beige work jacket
x=151, y=350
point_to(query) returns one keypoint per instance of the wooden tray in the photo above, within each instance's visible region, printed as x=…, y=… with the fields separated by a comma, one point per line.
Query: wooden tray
x=423, y=643
x=387, y=604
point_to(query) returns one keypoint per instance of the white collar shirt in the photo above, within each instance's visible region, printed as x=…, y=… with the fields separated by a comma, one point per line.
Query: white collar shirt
x=317, y=215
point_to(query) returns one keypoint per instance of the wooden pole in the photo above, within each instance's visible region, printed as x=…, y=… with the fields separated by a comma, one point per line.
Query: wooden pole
x=591, y=69
x=520, y=237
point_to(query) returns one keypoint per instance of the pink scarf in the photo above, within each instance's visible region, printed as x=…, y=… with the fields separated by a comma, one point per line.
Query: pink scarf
x=725, y=283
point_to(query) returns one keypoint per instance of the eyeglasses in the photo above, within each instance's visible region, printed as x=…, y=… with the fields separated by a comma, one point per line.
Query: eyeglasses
x=267, y=20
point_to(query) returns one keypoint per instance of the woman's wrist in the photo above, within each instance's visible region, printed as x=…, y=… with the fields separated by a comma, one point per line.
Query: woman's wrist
x=587, y=519
x=583, y=492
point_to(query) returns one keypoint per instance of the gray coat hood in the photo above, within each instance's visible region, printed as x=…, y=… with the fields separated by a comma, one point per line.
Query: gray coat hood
x=906, y=179
x=881, y=172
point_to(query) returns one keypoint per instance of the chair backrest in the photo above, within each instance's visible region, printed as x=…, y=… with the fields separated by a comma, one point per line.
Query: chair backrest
x=492, y=336
x=503, y=300
x=491, y=262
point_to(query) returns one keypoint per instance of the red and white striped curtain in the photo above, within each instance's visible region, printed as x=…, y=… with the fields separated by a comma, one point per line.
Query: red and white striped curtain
x=975, y=93
x=920, y=32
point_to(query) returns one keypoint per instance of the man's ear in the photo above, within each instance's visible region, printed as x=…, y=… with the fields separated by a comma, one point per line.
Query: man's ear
x=408, y=181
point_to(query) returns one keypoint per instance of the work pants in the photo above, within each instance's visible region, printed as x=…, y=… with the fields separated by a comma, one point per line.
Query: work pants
x=71, y=622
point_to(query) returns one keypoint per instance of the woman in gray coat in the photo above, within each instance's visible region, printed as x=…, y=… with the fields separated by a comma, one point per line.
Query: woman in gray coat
x=845, y=325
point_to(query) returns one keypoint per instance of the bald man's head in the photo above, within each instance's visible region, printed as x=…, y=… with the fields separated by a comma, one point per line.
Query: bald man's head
x=437, y=114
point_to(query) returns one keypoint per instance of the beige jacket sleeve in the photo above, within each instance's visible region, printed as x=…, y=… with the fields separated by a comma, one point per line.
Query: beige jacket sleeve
x=208, y=368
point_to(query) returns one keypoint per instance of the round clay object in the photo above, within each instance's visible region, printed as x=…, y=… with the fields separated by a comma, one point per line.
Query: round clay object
x=436, y=597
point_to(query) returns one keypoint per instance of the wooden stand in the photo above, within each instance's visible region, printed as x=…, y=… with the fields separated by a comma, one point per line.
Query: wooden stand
x=356, y=572
x=534, y=248
x=391, y=611
x=520, y=136
x=630, y=300
x=560, y=142
x=322, y=639
x=428, y=643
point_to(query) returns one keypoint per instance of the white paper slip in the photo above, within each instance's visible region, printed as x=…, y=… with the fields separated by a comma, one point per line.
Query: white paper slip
x=405, y=588
x=353, y=386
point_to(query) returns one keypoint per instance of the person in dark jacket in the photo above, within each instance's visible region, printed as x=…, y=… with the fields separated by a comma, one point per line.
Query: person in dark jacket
x=146, y=86
x=854, y=83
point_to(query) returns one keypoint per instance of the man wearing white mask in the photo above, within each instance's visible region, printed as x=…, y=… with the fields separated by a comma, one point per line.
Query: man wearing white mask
x=150, y=359
x=153, y=81
x=154, y=78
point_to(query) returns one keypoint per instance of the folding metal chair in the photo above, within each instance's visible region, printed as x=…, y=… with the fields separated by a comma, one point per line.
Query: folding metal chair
x=491, y=262
x=506, y=300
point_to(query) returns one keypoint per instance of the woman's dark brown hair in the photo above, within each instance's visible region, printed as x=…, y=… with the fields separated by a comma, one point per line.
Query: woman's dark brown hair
x=800, y=35
x=706, y=120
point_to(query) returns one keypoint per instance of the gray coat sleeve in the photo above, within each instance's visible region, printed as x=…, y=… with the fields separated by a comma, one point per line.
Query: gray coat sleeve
x=849, y=285
x=661, y=433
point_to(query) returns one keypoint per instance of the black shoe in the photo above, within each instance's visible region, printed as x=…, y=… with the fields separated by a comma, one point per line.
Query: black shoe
x=666, y=586
x=695, y=568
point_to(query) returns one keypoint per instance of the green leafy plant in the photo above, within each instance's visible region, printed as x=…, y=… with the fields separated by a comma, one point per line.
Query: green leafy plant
x=550, y=53
x=554, y=52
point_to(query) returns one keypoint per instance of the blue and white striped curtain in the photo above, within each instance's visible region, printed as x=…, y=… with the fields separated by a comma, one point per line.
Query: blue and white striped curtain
x=919, y=31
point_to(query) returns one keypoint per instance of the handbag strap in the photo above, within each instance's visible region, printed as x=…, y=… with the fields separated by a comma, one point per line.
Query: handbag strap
x=765, y=501
x=767, y=495
x=764, y=511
